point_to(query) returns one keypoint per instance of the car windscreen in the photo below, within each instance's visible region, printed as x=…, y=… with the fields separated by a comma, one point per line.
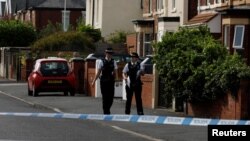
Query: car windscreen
x=54, y=68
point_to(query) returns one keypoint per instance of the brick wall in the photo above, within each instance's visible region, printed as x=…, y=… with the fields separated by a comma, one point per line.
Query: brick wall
x=78, y=68
x=41, y=17
x=23, y=73
x=247, y=42
x=90, y=71
x=145, y=6
x=89, y=76
x=203, y=2
x=131, y=42
x=147, y=97
x=226, y=107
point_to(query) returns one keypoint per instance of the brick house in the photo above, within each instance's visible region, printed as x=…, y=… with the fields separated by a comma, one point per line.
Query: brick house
x=229, y=22
x=112, y=15
x=39, y=13
x=222, y=18
x=236, y=26
x=158, y=17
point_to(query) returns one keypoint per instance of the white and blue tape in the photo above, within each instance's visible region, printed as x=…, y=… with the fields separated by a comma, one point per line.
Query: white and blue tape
x=136, y=118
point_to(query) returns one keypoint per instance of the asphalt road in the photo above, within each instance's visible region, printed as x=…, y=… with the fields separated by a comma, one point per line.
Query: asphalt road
x=21, y=128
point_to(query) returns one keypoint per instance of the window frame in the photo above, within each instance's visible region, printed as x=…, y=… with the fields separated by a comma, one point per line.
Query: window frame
x=236, y=28
x=147, y=44
x=226, y=36
x=150, y=6
x=160, y=5
x=173, y=5
x=67, y=19
x=97, y=13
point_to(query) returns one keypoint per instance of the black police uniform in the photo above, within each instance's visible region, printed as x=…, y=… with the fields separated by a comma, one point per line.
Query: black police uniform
x=135, y=87
x=107, y=83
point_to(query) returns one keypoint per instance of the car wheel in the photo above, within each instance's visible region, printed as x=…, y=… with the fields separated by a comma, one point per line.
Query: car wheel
x=35, y=92
x=29, y=92
x=72, y=93
x=65, y=93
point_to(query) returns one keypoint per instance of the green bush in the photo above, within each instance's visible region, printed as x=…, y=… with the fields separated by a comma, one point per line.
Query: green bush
x=16, y=33
x=117, y=37
x=63, y=41
x=94, y=34
x=194, y=66
x=49, y=29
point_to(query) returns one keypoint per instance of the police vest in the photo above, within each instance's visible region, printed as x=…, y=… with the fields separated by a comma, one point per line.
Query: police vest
x=133, y=73
x=108, y=70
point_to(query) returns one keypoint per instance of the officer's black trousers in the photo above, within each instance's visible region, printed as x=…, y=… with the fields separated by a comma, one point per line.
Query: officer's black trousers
x=136, y=89
x=108, y=91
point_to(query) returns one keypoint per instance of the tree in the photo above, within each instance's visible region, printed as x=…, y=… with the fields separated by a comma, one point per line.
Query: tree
x=195, y=66
x=63, y=41
x=52, y=38
x=15, y=33
x=50, y=29
x=94, y=34
x=117, y=37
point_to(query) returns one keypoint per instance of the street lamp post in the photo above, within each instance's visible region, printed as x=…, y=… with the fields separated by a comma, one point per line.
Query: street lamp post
x=64, y=16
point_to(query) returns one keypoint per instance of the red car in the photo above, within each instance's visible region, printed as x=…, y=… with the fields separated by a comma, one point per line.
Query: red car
x=51, y=75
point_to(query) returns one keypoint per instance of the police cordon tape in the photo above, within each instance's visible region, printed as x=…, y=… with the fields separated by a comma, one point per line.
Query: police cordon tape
x=135, y=118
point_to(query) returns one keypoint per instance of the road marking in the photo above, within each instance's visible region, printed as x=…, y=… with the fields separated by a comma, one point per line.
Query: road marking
x=126, y=118
x=13, y=84
x=137, y=134
x=31, y=103
x=9, y=140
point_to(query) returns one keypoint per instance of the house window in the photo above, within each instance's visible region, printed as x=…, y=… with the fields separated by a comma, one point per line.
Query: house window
x=173, y=5
x=206, y=2
x=97, y=13
x=84, y=15
x=159, y=5
x=1, y=3
x=147, y=44
x=217, y=1
x=160, y=35
x=149, y=6
x=238, y=36
x=65, y=20
x=227, y=36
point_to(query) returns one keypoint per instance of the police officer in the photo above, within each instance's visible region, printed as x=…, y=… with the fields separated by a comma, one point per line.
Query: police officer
x=107, y=72
x=132, y=72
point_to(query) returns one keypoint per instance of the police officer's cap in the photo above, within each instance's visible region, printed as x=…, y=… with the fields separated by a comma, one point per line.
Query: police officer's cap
x=134, y=54
x=109, y=50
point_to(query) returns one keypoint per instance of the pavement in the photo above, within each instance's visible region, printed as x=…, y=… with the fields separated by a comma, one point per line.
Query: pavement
x=78, y=104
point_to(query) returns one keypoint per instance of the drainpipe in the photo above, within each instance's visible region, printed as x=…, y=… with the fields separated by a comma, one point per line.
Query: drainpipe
x=64, y=18
x=141, y=4
x=199, y=6
x=231, y=3
x=93, y=13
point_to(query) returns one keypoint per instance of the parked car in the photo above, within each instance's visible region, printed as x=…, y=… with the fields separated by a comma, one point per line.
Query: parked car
x=51, y=75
